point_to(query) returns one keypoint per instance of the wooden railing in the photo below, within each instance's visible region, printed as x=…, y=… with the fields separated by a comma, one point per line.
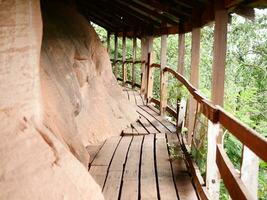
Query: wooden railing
x=124, y=79
x=217, y=116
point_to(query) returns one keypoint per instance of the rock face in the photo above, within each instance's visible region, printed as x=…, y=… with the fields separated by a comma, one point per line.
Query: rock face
x=58, y=95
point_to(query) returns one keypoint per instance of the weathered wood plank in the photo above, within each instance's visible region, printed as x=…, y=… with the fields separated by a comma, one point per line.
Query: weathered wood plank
x=148, y=178
x=138, y=98
x=93, y=150
x=99, y=173
x=129, y=131
x=155, y=113
x=114, y=177
x=131, y=97
x=105, y=154
x=160, y=128
x=131, y=173
x=165, y=179
x=139, y=127
x=147, y=124
x=181, y=176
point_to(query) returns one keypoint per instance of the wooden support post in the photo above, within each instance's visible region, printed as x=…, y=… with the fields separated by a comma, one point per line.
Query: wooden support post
x=108, y=42
x=150, y=77
x=217, y=93
x=144, y=48
x=116, y=55
x=250, y=171
x=133, y=60
x=163, y=76
x=124, y=68
x=181, y=43
x=212, y=174
x=194, y=79
x=181, y=103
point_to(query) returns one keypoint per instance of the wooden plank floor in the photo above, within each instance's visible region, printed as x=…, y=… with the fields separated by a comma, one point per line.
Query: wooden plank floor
x=138, y=164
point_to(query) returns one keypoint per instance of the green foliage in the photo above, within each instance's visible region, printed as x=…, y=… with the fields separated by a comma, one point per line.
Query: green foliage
x=245, y=80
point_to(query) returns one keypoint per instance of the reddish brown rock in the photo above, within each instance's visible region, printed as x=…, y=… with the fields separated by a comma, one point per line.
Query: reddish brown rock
x=58, y=95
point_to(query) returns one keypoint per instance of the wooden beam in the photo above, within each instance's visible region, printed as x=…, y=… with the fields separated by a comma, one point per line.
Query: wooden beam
x=212, y=173
x=116, y=55
x=133, y=10
x=180, y=66
x=142, y=9
x=217, y=93
x=124, y=68
x=150, y=77
x=135, y=21
x=219, y=56
x=133, y=60
x=194, y=79
x=163, y=76
x=165, y=6
x=144, y=48
x=250, y=171
x=230, y=176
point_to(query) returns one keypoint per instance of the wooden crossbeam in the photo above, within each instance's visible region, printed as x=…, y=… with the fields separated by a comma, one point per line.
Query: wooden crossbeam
x=131, y=9
x=155, y=13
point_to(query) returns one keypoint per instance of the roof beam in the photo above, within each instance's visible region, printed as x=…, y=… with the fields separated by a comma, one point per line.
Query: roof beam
x=166, y=7
x=150, y=19
x=137, y=21
x=154, y=13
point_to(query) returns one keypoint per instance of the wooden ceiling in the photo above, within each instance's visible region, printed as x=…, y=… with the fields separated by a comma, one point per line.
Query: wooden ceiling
x=156, y=17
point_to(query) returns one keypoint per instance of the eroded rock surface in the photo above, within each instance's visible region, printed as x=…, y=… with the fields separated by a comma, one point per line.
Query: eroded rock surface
x=58, y=95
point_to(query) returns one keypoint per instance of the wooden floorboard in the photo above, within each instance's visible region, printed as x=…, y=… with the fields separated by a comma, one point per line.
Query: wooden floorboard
x=138, y=98
x=114, y=177
x=165, y=178
x=181, y=176
x=130, y=185
x=139, y=164
x=154, y=122
x=93, y=150
x=148, y=174
x=151, y=110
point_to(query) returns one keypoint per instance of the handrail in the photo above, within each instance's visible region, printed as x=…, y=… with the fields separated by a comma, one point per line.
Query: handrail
x=233, y=182
x=155, y=65
x=127, y=61
x=216, y=114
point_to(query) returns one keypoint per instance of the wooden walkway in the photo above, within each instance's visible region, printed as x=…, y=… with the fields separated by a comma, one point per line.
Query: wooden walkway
x=139, y=163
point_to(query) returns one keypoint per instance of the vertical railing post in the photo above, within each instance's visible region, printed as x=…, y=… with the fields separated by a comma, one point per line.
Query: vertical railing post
x=212, y=174
x=144, y=48
x=217, y=93
x=133, y=60
x=108, y=41
x=163, y=76
x=250, y=171
x=181, y=102
x=181, y=49
x=194, y=79
x=124, y=68
x=150, y=78
x=115, y=55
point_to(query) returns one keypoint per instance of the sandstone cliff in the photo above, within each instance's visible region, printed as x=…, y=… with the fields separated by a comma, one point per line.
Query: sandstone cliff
x=58, y=95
